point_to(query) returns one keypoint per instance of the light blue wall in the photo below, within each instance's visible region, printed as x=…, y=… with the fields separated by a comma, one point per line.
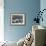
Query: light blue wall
x=43, y=6
x=29, y=8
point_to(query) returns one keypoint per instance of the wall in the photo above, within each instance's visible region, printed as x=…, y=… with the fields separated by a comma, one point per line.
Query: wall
x=43, y=6
x=1, y=21
x=29, y=8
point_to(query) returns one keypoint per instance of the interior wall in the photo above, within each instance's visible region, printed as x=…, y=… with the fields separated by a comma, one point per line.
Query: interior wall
x=29, y=8
x=1, y=21
x=43, y=6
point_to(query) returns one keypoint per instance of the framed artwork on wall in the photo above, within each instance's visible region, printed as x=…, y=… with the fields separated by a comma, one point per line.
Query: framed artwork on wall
x=17, y=19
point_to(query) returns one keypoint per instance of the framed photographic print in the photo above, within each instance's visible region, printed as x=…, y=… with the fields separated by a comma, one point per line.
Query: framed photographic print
x=17, y=19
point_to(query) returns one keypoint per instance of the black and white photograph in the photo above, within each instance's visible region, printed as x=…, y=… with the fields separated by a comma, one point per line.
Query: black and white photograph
x=17, y=19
